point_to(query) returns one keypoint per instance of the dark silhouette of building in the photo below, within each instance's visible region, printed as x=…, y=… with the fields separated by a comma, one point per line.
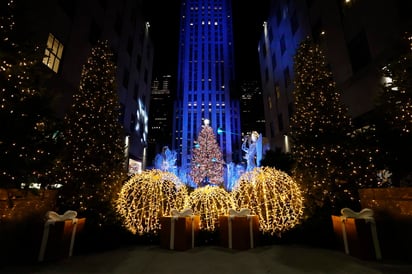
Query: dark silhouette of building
x=69, y=29
x=160, y=116
x=358, y=37
x=251, y=110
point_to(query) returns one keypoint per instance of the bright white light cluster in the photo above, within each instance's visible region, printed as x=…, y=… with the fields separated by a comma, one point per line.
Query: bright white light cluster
x=209, y=202
x=148, y=196
x=273, y=196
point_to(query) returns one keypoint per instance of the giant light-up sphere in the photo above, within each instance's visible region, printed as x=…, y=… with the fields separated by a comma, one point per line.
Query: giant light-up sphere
x=273, y=196
x=209, y=202
x=148, y=196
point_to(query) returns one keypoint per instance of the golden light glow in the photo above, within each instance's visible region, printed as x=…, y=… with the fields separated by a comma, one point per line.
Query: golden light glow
x=209, y=202
x=148, y=196
x=273, y=196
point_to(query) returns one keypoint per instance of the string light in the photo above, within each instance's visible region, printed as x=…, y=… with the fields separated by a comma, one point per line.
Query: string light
x=147, y=196
x=94, y=161
x=24, y=109
x=209, y=202
x=273, y=196
x=331, y=163
x=397, y=92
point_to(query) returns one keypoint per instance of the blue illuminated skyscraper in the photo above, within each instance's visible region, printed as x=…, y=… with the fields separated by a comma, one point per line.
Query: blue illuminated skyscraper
x=205, y=78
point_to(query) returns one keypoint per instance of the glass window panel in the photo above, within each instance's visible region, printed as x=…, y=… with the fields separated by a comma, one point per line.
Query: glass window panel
x=50, y=41
x=60, y=52
x=56, y=65
x=53, y=53
x=55, y=46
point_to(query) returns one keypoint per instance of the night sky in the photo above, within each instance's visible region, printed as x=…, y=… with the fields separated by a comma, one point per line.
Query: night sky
x=164, y=21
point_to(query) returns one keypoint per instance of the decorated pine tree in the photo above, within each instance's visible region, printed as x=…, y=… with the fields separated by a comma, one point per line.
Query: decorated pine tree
x=395, y=103
x=207, y=166
x=28, y=122
x=329, y=165
x=93, y=167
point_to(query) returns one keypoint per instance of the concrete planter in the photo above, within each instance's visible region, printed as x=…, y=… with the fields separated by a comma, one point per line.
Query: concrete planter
x=393, y=203
x=17, y=205
x=22, y=215
x=393, y=213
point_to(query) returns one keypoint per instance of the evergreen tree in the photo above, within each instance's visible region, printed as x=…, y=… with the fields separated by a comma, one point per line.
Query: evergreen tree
x=395, y=123
x=28, y=122
x=329, y=165
x=93, y=167
x=207, y=166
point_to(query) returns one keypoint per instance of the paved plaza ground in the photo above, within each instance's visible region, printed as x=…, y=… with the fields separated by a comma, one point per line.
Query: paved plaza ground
x=152, y=259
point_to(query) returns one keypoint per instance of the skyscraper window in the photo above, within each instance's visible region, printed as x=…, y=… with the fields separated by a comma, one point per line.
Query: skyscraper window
x=53, y=53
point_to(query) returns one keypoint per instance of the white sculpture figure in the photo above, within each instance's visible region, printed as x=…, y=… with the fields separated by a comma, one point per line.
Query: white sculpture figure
x=166, y=161
x=249, y=146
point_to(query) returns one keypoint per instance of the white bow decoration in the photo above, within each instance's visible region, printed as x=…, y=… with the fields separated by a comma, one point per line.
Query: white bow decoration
x=187, y=212
x=52, y=216
x=363, y=214
x=241, y=213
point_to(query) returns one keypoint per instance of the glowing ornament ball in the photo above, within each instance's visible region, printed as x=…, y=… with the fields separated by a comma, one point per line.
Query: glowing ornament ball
x=209, y=202
x=273, y=196
x=147, y=196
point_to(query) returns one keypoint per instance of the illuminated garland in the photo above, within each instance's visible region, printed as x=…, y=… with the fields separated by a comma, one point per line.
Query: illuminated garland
x=209, y=202
x=273, y=196
x=148, y=196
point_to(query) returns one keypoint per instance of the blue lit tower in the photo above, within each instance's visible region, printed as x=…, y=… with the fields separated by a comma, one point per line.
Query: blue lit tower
x=205, y=77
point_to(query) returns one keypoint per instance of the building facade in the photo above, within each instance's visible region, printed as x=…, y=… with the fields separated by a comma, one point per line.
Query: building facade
x=358, y=38
x=160, y=129
x=69, y=29
x=205, y=78
x=251, y=112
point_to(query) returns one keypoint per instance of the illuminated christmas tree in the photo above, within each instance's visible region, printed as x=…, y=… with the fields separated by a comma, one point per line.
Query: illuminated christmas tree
x=329, y=164
x=93, y=167
x=26, y=138
x=207, y=166
x=395, y=123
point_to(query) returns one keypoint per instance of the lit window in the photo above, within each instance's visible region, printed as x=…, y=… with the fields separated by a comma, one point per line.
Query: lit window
x=53, y=53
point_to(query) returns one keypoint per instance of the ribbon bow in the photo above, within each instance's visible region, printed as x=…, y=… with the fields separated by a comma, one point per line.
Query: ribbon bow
x=187, y=212
x=363, y=214
x=241, y=213
x=52, y=216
